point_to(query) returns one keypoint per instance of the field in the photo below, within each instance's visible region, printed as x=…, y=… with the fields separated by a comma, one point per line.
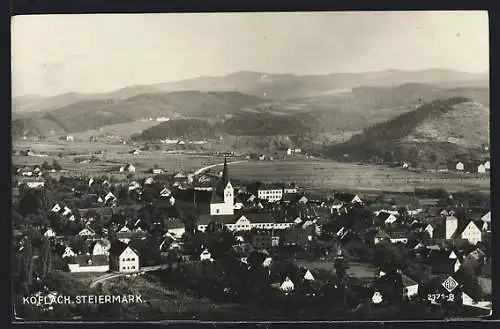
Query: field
x=112, y=155
x=316, y=173
x=123, y=130
x=308, y=173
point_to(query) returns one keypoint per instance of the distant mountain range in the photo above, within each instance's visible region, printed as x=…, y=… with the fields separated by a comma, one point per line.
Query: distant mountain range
x=270, y=86
x=408, y=114
x=346, y=111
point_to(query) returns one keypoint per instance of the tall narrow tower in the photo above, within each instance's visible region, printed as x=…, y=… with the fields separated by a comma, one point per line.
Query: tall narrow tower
x=225, y=174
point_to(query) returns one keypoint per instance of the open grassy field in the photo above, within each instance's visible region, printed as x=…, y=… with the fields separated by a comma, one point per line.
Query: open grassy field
x=309, y=173
x=123, y=130
x=112, y=155
x=316, y=173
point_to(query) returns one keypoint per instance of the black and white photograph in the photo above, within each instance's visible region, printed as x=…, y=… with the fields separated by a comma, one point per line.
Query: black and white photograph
x=264, y=166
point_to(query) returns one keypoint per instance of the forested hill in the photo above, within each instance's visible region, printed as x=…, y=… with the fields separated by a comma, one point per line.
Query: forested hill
x=244, y=124
x=445, y=127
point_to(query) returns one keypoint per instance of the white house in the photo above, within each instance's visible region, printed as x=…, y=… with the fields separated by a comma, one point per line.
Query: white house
x=481, y=169
x=289, y=151
x=68, y=252
x=87, y=232
x=429, y=229
x=100, y=248
x=271, y=194
x=487, y=165
x=49, y=233
x=109, y=197
x=308, y=276
x=128, y=168
x=377, y=298
x=56, y=208
x=35, y=184
x=410, y=286
x=157, y=171
x=287, y=286
x=459, y=166
x=123, y=258
x=391, y=219
x=486, y=219
x=205, y=255
x=472, y=233
x=289, y=190
x=66, y=211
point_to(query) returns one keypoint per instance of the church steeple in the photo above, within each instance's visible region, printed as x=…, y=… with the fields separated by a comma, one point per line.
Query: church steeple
x=225, y=173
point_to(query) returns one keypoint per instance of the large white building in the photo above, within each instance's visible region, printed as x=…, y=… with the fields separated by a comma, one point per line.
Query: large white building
x=122, y=258
x=271, y=194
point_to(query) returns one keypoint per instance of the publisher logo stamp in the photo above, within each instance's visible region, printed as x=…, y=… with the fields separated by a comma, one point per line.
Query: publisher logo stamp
x=450, y=284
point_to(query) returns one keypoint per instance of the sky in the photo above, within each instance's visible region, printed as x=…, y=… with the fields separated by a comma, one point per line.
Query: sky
x=92, y=53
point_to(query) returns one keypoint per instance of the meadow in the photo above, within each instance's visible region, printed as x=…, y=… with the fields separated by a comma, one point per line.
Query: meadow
x=106, y=157
x=317, y=173
x=311, y=173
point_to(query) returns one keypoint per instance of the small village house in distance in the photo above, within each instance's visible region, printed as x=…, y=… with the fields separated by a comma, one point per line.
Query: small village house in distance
x=123, y=258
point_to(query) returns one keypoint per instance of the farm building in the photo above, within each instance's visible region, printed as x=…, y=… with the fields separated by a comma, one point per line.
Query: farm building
x=127, y=168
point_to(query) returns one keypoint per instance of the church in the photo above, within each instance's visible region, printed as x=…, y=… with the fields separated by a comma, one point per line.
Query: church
x=222, y=202
x=217, y=202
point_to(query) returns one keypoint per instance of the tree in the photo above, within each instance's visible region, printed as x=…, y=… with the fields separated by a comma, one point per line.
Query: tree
x=27, y=271
x=46, y=254
x=45, y=166
x=30, y=203
x=56, y=165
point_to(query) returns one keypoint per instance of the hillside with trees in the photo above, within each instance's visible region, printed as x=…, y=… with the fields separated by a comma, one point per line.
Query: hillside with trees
x=243, y=124
x=446, y=127
x=92, y=114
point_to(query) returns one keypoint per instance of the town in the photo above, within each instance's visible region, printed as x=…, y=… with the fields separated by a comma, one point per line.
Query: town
x=278, y=249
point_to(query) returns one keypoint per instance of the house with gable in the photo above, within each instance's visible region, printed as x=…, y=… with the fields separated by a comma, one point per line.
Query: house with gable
x=175, y=227
x=86, y=232
x=68, y=252
x=386, y=218
x=348, y=198
x=410, y=287
x=100, y=247
x=486, y=219
x=123, y=258
x=463, y=230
